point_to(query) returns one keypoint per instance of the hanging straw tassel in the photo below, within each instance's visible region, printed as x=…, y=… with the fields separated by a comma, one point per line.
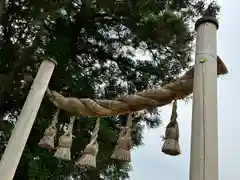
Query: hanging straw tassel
x=89, y=156
x=124, y=144
x=65, y=143
x=171, y=144
x=48, y=140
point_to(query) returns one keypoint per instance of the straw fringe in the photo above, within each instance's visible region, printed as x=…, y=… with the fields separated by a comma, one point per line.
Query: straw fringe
x=48, y=141
x=124, y=144
x=65, y=143
x=89, y=156
x=171, y=145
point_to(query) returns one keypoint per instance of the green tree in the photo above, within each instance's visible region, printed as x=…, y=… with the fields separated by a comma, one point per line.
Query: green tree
x=95, y=44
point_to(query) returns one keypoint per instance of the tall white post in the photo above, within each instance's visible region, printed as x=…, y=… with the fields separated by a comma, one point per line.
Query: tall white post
x=20, y=133
x=204, y=139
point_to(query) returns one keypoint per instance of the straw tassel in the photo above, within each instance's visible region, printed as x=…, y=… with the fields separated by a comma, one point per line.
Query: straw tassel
x=124, y=144
x=171, y=145
x=65, y=143
x=89, y=156
x=48, y=141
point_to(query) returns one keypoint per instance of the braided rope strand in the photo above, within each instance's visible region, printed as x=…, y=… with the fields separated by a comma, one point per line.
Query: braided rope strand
x=124, y=143
x=55, y=117
x=90, y=152
x=70, y=125
x=65, y=142
x=94, y=135
x=48, y=141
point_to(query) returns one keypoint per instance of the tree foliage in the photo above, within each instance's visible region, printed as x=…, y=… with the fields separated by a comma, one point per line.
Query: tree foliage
x=95, y=44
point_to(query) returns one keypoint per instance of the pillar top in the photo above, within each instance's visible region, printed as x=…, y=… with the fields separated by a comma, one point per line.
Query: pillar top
x=52, y=60
x=207, y=19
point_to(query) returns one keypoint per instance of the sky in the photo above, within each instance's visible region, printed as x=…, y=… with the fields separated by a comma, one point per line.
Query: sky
x=149, y=162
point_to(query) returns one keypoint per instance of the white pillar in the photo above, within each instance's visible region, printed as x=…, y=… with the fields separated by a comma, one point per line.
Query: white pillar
x=204, y=139
x=20, y=133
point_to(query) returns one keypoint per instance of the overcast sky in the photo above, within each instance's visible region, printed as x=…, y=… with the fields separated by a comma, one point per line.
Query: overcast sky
x=150, y=163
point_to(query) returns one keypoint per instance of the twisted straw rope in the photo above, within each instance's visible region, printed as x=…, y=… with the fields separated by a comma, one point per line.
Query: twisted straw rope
x=130, y=103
